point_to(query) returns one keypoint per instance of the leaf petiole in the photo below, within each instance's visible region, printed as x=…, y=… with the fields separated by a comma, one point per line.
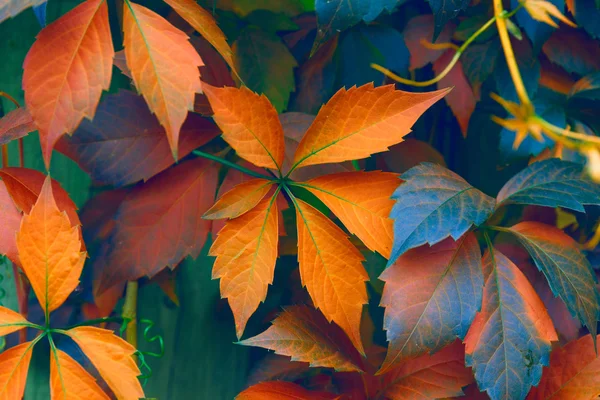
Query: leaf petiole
x=233, y=165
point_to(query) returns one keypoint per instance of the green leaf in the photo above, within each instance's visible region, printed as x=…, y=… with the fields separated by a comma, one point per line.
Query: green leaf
x=551, y=183
x=567, y=270
x=265, y=65
x=432, y=204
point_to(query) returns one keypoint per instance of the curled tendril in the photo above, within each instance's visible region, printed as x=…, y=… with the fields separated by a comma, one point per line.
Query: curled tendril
x=141, y=355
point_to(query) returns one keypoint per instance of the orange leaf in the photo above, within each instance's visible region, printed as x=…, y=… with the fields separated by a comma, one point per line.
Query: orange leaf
x=164, y=67
x=331, y=269
x=362, y=201
x=239, y=200
x=361, y=121
x=430, y=376
x=249, y=123
x=303, y=334
x=66, y=70
x=15, y=125
x=11, y=321
x=573, y=374
x=49, y=250
x=14, y=365
x=112, y=357
x=205, y=24
x=70, y=381
x=282, y=391
x=246, y=251
x=11, y=219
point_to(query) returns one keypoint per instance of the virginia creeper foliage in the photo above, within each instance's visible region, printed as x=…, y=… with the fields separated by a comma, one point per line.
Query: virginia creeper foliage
x=399, y=200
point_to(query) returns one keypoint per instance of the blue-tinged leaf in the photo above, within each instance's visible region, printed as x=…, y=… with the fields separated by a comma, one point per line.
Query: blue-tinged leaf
x=431, y=296
x=379, y=6
x=587, y=16
x=479, y=61
x=432, y=204
x=567, y=270
x=444, y=11
x=529, y=66
x=40, y=13
x=551, y=183
x=537, y=31
x=509, y=340
x=334, y=16
x=582, y=59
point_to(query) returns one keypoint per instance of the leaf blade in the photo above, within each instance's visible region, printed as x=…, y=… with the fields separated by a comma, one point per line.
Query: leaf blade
x=239, y=200
x=15, y=125
x=282, y=391
x=14, y=365
x=68, y=380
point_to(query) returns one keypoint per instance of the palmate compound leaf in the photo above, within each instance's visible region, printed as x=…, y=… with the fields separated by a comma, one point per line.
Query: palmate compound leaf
x=573, y=374
x=11, y=220
x=331, y=269
x=10, y=8
x=432, y=204
x=276, y=390
x=249, y=123
x=362, y=201
x=566, y=268
x=14, y=364
x=125, y=143
x=66, y=70
x=202, y=21
x=15, y=125
x=240, y=199
x=510, y=338
x=70, y=381
x=361, y=121
x=551, y=183
x=112, y=357
x=164, y=67
x=435, y=376
x=431, y=296
x=246, y=252
x=305, y=335
x=160, y=223
x=50, y=251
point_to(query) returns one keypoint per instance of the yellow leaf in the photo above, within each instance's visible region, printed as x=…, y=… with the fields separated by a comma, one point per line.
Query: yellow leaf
x=542, y=10
x=112, y=357
x=49, y=250
x=70, y=381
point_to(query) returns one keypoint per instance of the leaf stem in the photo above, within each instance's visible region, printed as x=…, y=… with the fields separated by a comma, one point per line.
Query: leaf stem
x=233, y=165
x=459, y=51
x=130, y=312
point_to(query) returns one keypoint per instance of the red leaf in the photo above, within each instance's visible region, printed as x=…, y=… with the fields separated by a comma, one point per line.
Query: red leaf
x=461, y=99
x=160, y=223
x=66, y=70
x=125, y=143
x=282, y=391
x=11, y=220
x=15, y=125
x=420, y=29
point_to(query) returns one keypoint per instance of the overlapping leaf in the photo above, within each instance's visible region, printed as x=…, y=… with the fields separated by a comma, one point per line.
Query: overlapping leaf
x=15, y=125
x=14, y=364
x=444, y=11
x=50, y=251
x=432, y=204
x=11, y=321
x=361, y=200
x=305, y=335
x=125, y=143
x=11, y=220
x=429, y=377
x=510, y=339
x=240, y=199
x=282, y=391
x=582, y=59
x=431, y=295
x=573, y=374
x=68, y=379
x=419, y=30
x=567, y=270
x=202, y=21
x=66, y=70
x=331, y=269
x=112, y=357
x=249, y=124
x=163, y=65
x=551, y=183
x=160, y=223
x=361, y=121
x=246, y=252
x=10, y=8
